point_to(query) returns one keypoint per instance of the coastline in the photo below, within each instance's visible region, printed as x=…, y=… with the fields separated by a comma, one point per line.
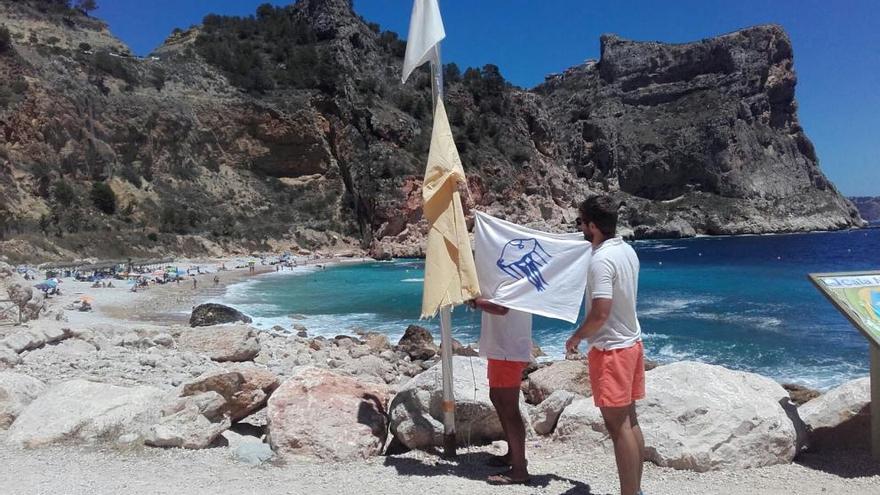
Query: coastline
x=169, y=304
x=122, y=325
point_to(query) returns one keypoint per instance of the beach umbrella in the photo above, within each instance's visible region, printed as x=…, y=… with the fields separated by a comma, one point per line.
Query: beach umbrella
x=450, y=273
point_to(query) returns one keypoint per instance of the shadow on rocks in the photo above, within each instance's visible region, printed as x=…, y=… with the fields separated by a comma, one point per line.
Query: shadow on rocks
x=844, y=463
x=473, y=466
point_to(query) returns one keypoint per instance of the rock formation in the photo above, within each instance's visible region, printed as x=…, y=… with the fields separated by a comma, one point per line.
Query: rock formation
x=291, y=129
x=869, y=207
x=208, y=314
x=416, y=415
x=329, y=416
x=841, y=417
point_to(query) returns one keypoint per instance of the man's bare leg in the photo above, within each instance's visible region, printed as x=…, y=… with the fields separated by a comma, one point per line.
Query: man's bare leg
x=626, y=447
x=507, y=406
x=640, y=440
x=494, y=396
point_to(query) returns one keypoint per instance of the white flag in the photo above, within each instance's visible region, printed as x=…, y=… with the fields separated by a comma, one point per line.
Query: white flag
x=529, y=270
x=425, y=32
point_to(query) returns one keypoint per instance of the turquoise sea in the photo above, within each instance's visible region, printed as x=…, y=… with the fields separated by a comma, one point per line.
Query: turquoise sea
x=743, y=302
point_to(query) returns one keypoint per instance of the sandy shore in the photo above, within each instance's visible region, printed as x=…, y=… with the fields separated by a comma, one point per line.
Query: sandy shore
x=558, y=467
x=161, y=304
x=78, y=470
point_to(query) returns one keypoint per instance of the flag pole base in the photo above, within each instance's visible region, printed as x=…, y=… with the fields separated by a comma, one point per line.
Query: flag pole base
x=449, y=445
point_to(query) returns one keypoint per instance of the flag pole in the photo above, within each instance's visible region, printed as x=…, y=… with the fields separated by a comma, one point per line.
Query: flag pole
x=449, y=441
x=423, y=45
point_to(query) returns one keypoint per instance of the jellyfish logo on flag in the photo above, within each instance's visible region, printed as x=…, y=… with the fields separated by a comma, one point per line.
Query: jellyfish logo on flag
x=524, y=258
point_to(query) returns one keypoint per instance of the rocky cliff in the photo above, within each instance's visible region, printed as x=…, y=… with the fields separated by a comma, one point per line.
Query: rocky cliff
x=290, y=128
x=869, y=207
x=700, y=137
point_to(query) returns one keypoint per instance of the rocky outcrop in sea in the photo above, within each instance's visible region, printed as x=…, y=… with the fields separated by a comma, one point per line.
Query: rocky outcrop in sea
x=869, y=207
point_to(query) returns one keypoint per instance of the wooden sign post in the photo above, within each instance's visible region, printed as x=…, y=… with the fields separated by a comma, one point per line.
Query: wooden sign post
x=857, y=296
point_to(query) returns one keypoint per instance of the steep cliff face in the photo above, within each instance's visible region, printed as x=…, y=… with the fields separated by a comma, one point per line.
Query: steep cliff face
x=291, y=129
x=702, y=137
x=869, y=208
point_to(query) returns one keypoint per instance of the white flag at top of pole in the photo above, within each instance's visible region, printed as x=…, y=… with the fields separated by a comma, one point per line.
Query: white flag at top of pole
x=425, y=32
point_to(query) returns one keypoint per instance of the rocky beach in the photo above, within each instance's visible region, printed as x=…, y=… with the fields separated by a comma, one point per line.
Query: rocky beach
x=287, y=130
x=113, y=396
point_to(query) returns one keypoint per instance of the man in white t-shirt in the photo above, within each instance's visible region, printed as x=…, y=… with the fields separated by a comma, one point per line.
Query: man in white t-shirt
x=506, y=341
x=616, y=356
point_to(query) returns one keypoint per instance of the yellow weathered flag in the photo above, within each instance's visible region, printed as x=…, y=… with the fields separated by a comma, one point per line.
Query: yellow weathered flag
x=450, y=274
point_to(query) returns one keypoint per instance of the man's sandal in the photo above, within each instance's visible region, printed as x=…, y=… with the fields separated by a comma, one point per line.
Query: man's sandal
x=503, y=479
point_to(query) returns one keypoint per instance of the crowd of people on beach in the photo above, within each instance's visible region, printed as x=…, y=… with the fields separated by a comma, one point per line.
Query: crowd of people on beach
x=143, y=277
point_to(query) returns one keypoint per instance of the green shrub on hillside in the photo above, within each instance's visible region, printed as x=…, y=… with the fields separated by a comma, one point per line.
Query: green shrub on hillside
x=273, y=49
x=130, y=173
x=13, y=87
x=5, y=39
x=63, y=193
x=177, y=218
x=114, y=66
x=86, y=6
x=103, y=198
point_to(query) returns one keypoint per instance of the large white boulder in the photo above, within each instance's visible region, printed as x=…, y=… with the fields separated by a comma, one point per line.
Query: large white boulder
x=570, y=375
x=320, y=413
x=545, y=415
x=841, y=417
x=416, y=411
x=84, y=411
x=581, y=422
x=16, y=392
x=245, y=389
x=192, y=422
x=221, y=342
x=8, y=357
x=698, y=417
x=34, y=338
x=703, y=417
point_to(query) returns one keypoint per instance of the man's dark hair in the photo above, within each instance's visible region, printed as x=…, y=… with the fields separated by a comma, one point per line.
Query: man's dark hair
x=602, y=211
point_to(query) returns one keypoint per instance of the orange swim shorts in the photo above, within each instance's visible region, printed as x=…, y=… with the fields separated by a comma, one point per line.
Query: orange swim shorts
x=505, y=374
x=617, y=376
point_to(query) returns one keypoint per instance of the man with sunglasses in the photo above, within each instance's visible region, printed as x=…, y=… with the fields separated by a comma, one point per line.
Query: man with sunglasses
x=616, y=357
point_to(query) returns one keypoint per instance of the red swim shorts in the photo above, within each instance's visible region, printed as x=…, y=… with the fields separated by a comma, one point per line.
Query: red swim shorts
x=617, y=377
x=505, y=374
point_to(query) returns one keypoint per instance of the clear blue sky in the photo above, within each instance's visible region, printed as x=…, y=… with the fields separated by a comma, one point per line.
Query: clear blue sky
x=836, y=48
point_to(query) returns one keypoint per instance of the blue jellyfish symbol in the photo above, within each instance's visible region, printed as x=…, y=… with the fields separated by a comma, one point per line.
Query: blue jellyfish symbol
x=524, y=258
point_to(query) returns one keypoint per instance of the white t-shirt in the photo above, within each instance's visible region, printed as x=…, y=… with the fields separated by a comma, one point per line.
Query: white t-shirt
x=614, y=274
x=507, y=337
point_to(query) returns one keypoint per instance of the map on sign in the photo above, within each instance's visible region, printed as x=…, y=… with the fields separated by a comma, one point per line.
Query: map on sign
x=856, y=295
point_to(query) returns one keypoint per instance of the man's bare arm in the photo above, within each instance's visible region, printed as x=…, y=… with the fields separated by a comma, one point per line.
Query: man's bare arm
x=489, y=307
x=600, y=309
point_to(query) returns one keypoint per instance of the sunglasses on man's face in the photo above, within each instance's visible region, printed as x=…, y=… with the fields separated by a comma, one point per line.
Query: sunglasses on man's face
x=578, y=221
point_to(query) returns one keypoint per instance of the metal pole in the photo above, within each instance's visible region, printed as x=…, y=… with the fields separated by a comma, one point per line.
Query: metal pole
x=436, y=77
x=449, y=442
x=875, y=400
